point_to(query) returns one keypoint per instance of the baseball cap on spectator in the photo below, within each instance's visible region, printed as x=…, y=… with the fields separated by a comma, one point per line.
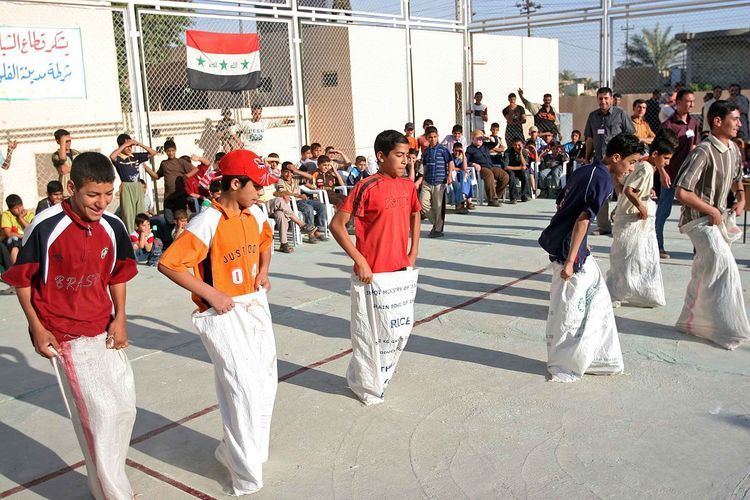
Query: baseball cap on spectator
x=409, y=126
x=244, y=162
x=533, y=129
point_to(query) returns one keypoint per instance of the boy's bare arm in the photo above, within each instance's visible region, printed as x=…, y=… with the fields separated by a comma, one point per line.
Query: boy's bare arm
x=261, y=279
x=117, y=329
x=340, y=234
x=634, y=198
x=692, y=200
x=41, y=337
x=219, y=300
x=579, y=232
x=415, y=225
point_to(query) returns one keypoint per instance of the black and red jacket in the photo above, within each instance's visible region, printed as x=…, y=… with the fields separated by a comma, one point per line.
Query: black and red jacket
x=69, y=264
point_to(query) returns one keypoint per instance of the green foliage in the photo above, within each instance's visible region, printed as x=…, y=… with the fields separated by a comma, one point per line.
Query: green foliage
x=655, y=47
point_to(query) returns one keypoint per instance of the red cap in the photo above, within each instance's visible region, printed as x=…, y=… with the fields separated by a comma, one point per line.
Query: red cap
x=245, y=162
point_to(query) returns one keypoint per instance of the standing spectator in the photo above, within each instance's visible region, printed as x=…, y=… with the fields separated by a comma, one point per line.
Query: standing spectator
x=409, y=133
x=422, y=139
x=175, y=171
x=545, y=116
x=643, y=130
x=617, y=99
x=456, y=136
x=54, y=196
x=743, y=105
x=712, y=98
x=515, y=116
x=478, y=113
x=227, y=130
x=438, y=168
x=688, y=136
x=62, y=158
x=254, y=130
x=5, y=160
x=667, y=109
x=478, y=155
x=652, y=110
x=517, y=163
x=127, y=164
x=602, y=125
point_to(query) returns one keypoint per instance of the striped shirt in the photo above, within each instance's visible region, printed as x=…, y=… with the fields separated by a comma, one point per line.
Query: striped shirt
x=435, y=161
x=709, y=172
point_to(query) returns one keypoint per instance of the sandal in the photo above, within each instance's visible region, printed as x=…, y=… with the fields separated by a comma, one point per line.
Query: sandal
x=285, y=248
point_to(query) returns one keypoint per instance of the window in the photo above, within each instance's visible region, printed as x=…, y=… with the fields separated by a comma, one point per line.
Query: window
x=330, y=79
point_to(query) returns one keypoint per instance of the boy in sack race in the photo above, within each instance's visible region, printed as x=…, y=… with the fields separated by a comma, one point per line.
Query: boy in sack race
x=386, y=211
x=70, y=274
x=634, y=275
x=228, y=249
x=581, y=332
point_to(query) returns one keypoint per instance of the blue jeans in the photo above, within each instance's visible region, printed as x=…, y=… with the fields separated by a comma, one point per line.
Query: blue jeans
x=313, y=213
x=150, y=258
x=663, y=210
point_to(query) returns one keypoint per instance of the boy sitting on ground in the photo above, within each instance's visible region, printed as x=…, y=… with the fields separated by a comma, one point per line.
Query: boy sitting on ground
x=180, y=223
x=146, y=246
x=54, y=196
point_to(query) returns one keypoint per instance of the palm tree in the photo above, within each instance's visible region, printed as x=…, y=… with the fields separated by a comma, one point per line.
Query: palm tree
x=655, y=47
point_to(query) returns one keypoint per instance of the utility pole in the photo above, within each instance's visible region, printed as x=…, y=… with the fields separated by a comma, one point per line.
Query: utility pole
x=627, y=29
x=528, y=7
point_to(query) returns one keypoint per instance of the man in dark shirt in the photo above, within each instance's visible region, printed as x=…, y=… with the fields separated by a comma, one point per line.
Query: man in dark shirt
x=515, y=117
x=688, y=136
x=603, y=124
x=495, y=178
x=545, y=117
x=127, y=165
x=517, y=164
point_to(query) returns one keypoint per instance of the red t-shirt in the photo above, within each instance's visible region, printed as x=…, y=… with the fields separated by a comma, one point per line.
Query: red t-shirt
x=382, y=207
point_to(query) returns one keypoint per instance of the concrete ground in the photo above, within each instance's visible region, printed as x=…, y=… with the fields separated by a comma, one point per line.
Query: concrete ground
x=469, y=413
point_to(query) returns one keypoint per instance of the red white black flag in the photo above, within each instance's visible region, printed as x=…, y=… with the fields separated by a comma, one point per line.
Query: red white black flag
x=222, y=61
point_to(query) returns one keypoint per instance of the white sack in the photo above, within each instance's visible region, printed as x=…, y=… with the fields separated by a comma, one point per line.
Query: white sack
x=714, y=307
x=581, y=330
x=634, y=274
x=97, y=385
x=382, y=319
x=242, y=348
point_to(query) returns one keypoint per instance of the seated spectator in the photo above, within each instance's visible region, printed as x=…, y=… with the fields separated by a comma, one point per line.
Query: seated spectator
x=551, y=170
x=457, y=136
x=14, y=221
x=305, y=159
x=281, y=210
x=148, y=199
x=214, y=191
x=180, y=223
x=326, y=177
x=54, y=196
x=497, y=148
x=311, y=165
x=495, y=178
x=536, y=139
x=461, y=181
x=147, y=248
x=534, y=161
x=356, y=171
x=517, y=165
x=313, y=211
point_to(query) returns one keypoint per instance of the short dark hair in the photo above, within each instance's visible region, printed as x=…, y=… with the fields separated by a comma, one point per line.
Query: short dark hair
x=328, y=148
x=719, y=109
x=638, y=102
x=665, y=142
x=617, y=94
x=54, y=187
x=360, y=158
x=13, y=200
x=287, y=165
x=576, y=131
x=427, y=123
x=91, y=167
x=218, y=156
x=59, y=133
x=272, y=155
x=547, y=95
x=457, y=128
x=718, y=87
x=624, y=144
x=458, y=145
x=512, y=95
x=304, y=149
x=122, y=138
x=215, y=186
x=413, y=151
x=141, y=218
x=186, y=158
x=226, y=181
x=323, y=159
x=169, y=144
x=604, y=90
x=315, y=145
x=180, y=214
x=495, y=125
x=682, y=93
x=519, y=139
x=430, y=130
x=478, y=93
x=386, y=141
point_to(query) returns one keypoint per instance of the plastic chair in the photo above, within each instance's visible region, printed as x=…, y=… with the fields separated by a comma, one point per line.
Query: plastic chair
x=296, y=231
x=271, y=220
x=322, y=196
x=477, y=186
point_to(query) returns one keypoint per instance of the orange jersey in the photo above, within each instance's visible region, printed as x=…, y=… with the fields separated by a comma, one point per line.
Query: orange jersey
x=222, y=248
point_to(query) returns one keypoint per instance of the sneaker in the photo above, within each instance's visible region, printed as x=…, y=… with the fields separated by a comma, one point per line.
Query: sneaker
x=512, y=202
x=285, y=248
x=664, y=255
x=493, y=203
x=524, y=199
x=435, y=234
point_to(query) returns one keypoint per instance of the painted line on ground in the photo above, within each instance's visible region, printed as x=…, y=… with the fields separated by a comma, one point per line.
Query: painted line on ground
x=212, y=408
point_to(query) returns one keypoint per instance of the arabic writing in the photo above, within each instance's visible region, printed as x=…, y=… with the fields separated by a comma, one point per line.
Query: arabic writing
x=41, y=63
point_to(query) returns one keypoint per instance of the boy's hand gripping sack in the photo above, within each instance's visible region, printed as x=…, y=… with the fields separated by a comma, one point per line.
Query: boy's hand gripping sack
x=382, y=319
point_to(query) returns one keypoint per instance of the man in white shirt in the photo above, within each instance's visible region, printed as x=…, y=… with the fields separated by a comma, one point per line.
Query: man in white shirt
x=478, y=112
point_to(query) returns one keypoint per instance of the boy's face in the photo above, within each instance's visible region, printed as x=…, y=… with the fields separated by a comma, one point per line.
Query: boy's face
x=660, y=160
x=547, y=137
x=361, y=165
x=257, y=114
x=432, y=139
x=325, y=166
x=287, y=175
x=622, y=165
x=90, y=200
x=409, y=132
x=307, y=155
x=534, y=134
x=459, y=152
x=18, y=210
x=394, y=163
x=181, y=222
x=171, y=153
x=55, y=198
x=247, y=195
x=144, y=227
x=511, y=100
x=575, y=137
x=494, y=130
x=517, y=146
x=215, y=194
x=66, y=141
x=458, y=135
x=315, y=152
x=478, y=98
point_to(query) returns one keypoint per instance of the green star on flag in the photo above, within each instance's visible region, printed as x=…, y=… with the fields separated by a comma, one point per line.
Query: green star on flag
x=201, y=61
x=223, y=64
x=222, y=61
x=245, y=63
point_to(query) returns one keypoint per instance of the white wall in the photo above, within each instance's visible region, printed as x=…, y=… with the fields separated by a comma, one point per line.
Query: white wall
x=437, y=62
x=378, y=64
x=502, y=64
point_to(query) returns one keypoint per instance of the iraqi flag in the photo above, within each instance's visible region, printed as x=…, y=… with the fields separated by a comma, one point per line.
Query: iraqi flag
x=222, y=61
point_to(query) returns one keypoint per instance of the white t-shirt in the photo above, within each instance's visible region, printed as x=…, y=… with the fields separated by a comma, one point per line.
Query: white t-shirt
x=641, y=180
x=477, y=121
x=665, y=113
x=252, y=135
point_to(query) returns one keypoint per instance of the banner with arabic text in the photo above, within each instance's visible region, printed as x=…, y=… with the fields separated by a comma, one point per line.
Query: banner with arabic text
x=41, y=63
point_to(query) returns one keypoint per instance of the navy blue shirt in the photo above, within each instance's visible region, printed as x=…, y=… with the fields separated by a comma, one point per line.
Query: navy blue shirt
x=435, y=162
x=129, y=168
x=479, y=155
x=589, y=187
